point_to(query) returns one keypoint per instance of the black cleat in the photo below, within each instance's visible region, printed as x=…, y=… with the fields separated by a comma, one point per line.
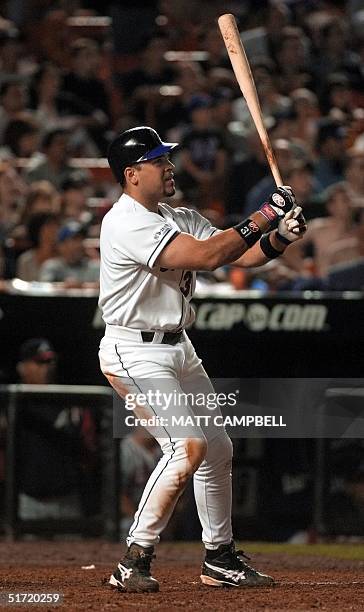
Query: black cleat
x=224, y=567
x=132, y=574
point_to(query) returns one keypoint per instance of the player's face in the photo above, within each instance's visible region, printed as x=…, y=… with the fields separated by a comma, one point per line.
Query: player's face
x=157, y=177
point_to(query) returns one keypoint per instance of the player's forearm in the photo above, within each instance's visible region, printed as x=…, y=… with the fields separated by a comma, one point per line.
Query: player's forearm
x=230, y=245
x=219, y=250
x=254, y=257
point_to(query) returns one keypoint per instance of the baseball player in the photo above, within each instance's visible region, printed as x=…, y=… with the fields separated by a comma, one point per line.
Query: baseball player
x=149, y=256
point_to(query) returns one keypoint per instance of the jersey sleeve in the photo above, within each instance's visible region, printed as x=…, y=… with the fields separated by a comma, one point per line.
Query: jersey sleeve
x=199, y=226
x=145, y=238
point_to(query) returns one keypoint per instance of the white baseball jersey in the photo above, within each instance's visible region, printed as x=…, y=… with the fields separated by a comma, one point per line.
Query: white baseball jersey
x=133, y=291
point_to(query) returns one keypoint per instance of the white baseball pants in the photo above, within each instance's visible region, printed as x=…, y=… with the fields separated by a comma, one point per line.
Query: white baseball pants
x=203, y=451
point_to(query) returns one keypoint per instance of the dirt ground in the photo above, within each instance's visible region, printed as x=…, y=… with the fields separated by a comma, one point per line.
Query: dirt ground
x=304, y=582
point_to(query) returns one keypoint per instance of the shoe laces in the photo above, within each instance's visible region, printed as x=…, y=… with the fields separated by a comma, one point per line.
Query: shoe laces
x=142, y=562
x=234, y=559
x=238, y=554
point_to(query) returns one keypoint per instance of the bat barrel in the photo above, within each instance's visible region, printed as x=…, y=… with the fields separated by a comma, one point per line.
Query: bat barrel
x=239, y=61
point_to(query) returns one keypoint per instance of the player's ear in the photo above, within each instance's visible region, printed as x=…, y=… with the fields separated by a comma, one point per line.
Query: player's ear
x=131, y=175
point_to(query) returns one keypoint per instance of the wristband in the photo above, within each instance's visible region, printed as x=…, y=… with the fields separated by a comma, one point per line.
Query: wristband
x=249, y=231
x=282, y=239
x=267, y=248
x=268, y=212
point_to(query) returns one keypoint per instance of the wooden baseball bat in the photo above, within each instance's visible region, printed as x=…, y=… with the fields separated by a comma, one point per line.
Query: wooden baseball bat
x=240, y=64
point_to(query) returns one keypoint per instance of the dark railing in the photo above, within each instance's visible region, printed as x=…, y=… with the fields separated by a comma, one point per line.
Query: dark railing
x=106, y=523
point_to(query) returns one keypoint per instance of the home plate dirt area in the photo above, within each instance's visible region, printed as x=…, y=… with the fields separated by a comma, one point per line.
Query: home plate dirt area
x=324, y=577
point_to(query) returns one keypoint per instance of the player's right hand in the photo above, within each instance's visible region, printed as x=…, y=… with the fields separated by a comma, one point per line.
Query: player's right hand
x=292, y=226
x=282, y=200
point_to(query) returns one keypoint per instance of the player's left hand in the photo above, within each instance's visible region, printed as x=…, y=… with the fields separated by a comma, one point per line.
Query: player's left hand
x=293, y=225
x=282, y=200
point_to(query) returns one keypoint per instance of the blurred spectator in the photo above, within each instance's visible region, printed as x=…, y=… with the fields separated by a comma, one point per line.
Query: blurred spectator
x=324, y=232
x=356, y=131
x=13, y=101
x=300, y=177
x=306, y=189
x=48, y=100
x=283, y=126
x=21, y=137
x=334, y=53
x=12, y=193
x=203, y=157
x=186, y=21
x=354, y=174
x=213, y=44
x=219, y=78
x=52, y=165
x=83, y=80
x=337, y=96
x=141, y=86
x=350, y=247
x=15, y=55
x=12, y=235
x=293, y=60
x=42, y=197
x=222, y=119
x=42, y=233
x=192, y=82
x=55, y=108
x=75, y=192
x=345, y=276
x=191, y=79
x=264, y=40
x=48, y=442
x=83, y=83
x=37, y=362
x=139, y=454
x=71, y=267
x=330, y=148
x=306, y=109
x=10, y=52
x=151, y=95
x=271, y=99
x=246, y=174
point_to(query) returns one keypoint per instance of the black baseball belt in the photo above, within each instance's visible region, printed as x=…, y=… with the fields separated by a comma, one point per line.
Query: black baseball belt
x=168, y=337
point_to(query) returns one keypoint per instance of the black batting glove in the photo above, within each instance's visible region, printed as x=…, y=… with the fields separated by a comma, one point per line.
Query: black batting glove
x=280, y=202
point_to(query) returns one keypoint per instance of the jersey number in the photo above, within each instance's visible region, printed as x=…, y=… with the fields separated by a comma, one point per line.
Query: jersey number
x=186, y=282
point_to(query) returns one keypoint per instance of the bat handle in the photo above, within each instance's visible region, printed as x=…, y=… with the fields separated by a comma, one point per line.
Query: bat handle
x=272, y=160
x=277, y=176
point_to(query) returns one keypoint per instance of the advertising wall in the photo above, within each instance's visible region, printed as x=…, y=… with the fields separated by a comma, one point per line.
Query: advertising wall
x=243, y=336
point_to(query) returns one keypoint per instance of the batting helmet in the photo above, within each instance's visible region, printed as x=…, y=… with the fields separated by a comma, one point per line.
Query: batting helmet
x=136, y=145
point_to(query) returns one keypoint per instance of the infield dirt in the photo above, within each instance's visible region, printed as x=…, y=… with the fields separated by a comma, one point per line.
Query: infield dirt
x=304, y=581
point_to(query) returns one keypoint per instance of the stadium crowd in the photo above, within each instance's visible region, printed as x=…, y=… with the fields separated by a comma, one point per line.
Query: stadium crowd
x=75, y=73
